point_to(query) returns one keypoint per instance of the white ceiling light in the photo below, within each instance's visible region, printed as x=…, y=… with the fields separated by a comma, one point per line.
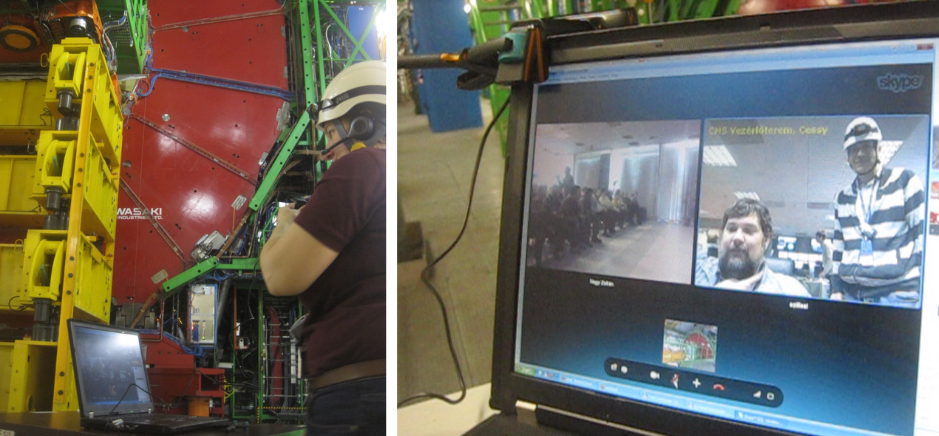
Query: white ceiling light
x=718, y=156
x=887, y=150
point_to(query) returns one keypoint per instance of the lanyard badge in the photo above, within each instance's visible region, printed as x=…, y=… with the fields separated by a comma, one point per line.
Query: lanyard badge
x=867, y=208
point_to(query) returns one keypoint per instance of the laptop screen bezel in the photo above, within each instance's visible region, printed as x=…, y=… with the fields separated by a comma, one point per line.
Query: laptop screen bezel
x=838, y=25
x=84, y=404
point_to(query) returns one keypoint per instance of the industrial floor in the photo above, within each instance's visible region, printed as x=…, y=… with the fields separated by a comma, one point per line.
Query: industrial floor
x=434, y=174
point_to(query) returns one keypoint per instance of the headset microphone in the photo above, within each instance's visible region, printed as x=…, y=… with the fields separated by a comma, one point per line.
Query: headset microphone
x=340, y=142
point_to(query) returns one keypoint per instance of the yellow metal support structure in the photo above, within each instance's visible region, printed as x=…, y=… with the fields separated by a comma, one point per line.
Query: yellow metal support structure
x=93, y=126
x=72, y=268
x=23, y=113
x=89, y=68
x=17, y=207
x=55, y=167
x=33, y=365
x=6, y=374
x=11, y=270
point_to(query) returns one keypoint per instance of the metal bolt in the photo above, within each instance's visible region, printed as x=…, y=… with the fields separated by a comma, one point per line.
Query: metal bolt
x=69, y=275
x=72, y=258
x=61, y=392
x=61, y=373
x=81, y=154
x=68, y=292
x=166, y=117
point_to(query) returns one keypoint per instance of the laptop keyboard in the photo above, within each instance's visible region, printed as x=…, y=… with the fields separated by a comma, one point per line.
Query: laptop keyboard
x=163, y=419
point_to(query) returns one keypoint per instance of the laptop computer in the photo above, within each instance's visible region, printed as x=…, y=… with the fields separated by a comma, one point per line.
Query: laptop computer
x=112, y=383
x=632, y=335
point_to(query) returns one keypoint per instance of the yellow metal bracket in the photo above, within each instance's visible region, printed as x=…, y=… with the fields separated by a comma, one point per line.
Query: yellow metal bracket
x=67, y=74
x=56, y=157
x=45, y=257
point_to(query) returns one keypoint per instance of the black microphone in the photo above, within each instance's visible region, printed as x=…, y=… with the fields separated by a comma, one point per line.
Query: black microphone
x=340, y=142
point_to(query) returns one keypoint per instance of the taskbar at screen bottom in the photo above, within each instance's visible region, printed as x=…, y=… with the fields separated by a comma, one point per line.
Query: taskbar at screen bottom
x=689, y=402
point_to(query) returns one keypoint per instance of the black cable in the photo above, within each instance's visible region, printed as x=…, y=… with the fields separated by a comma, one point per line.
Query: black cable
x=251, y=288
x=66, y=7
x=46, y=113
x=191, y=378
x=138, y=387
x=10, y=304
x=425, y=277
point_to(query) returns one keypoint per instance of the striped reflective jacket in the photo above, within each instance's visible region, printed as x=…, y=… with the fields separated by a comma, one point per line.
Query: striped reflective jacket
x=898, y=219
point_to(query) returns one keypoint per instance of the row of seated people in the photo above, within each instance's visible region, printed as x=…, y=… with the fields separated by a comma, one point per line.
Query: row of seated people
x=569, y=218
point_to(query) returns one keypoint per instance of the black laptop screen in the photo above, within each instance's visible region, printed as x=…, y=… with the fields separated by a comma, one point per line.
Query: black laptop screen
x=109, y=365
x=740, y=235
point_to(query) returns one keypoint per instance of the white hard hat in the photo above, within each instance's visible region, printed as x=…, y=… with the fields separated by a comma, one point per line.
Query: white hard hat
x=861, y=129
x=360, y=83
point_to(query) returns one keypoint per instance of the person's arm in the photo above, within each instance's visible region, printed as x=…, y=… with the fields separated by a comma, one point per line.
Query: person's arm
x=292, y=259
x=915, y=205
x=837, y=245
x=827, y=258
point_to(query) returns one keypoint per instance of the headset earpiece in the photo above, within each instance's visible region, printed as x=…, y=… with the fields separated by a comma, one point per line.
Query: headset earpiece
x=361, y=128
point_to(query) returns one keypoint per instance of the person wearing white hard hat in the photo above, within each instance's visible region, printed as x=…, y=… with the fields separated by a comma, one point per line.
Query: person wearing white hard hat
x=331, y=254
x=878, y=225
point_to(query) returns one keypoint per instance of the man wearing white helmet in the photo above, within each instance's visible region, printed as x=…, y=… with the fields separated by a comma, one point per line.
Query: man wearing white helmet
x=878, y=225
x=331, y=254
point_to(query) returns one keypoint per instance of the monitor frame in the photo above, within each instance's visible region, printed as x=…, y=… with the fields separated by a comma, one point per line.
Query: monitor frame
x=799, y=28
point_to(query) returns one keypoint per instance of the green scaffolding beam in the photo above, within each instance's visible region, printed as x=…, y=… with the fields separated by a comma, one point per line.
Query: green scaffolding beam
x=259, y=198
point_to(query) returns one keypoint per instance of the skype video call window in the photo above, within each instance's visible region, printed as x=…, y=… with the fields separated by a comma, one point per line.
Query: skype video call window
x=779, y=197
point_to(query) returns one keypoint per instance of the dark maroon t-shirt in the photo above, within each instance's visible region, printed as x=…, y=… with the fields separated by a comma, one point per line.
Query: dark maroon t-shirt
x=347, y=302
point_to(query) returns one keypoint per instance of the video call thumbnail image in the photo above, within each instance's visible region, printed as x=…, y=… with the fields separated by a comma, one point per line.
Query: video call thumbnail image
x=615, y=198
x=690, y=345
x=815, y=207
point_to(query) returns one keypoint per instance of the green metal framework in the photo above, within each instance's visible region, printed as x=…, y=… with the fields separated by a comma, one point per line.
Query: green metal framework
x=324, y=5
x=131, y=40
